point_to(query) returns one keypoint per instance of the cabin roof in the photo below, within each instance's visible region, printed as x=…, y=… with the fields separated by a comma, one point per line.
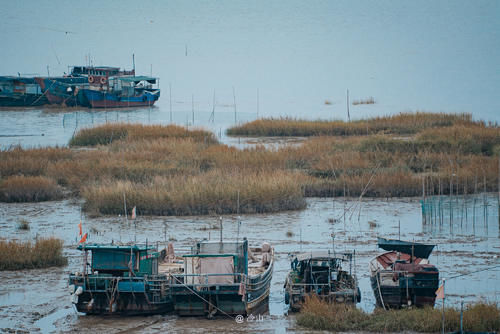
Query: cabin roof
x=315, y=255
x=115, y=247
x=137, y=78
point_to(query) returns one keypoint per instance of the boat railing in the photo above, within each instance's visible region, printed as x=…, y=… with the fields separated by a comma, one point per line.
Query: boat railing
x=180, y=279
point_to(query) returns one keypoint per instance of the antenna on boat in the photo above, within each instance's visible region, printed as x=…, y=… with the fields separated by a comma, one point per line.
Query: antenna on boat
x=399, y=229
x=238, y=233
x=333, y=243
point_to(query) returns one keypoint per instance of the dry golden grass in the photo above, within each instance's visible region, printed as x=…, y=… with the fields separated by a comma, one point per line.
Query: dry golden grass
x=402, y=124
x=172, y=171
x=213, y=192
x=29, y=189
x=320, y=315
x=27, y=255
x=108, y=133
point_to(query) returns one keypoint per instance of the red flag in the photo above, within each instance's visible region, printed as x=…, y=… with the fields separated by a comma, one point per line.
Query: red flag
x=80, y=227
x=440, y=292
x=133, y=213
x=84, y=238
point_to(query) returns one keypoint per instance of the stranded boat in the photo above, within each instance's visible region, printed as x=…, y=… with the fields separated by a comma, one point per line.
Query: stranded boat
x=120, y=279
x=403, y=276
x=20, y=92
x=223, y=278
x=321, y=274
x=214, y=278
x=122, y=91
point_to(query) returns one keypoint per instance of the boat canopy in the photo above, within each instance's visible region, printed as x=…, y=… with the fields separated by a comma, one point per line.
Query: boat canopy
x=137, y=79
x=135, y=247
x=415, y=248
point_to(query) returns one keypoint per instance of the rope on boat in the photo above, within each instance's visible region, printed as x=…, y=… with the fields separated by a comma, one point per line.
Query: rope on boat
x=199, y=296
x=53, y=82
x=380, y=292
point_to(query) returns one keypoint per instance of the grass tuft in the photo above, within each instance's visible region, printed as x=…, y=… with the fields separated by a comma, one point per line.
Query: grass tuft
x=27, y=255
x=319, y=315
x=23, y=225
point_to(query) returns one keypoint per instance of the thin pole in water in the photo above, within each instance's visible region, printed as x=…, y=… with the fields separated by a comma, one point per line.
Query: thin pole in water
x=442, y=331
x=170, y=90
x=220, y=221
x=258, y=112
x=234, y=101
x=348, y=114
x=192, y=107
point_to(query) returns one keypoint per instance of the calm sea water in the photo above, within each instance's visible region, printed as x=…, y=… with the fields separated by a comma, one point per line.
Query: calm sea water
x=283, y=58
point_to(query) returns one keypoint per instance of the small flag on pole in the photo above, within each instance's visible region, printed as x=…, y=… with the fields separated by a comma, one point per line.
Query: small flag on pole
x=80, y=228
x=133, y=213
x=84, y=238
x=440, y=292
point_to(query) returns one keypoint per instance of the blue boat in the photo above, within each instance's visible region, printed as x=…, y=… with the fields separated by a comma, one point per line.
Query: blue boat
x=120, y=279
x=68, y=90
x=123, y=91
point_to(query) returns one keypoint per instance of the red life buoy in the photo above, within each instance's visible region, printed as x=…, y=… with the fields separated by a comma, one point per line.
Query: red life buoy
x=91, y=78
x=103, y=80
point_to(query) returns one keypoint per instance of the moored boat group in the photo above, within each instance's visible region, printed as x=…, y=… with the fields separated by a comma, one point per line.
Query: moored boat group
x=85, y=86
x=232, y=278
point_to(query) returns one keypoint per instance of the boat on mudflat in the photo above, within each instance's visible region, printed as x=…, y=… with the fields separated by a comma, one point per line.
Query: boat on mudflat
x=322, y=274
x=122, y=91
x=120, y=279
x=222, y=278
x=20, y=92
x=399, y=278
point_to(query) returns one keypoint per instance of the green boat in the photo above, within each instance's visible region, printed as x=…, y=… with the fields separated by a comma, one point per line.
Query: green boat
x=223, y=278
x=120, y=279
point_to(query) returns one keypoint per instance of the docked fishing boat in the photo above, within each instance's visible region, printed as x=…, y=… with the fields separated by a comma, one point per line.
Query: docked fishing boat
x=120, y=279
x=20, y=92
x=122, y=91
x=403, y=276
x=67, y=90
x=321, y=274
x=222, y=278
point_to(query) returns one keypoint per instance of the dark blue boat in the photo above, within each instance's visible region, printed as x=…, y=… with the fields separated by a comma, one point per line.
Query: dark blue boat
x=20, y=92
x=120, y=279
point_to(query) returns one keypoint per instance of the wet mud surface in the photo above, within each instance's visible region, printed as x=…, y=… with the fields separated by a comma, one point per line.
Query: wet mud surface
x=38, y=300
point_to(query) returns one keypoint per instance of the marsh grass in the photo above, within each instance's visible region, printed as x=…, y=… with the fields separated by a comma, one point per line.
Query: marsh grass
x=368, y=100
x=167, y=170
x=407, y=123
x=109, y=133
x=29, y=189
x=258, y=193
x=319, y=315
x=42, y=253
